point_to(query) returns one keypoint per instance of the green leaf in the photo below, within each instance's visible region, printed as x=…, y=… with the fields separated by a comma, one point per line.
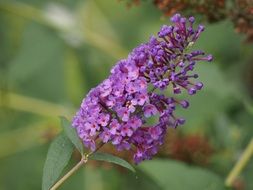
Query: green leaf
x=175, y=175
x=58, y=156
x=71, y=134
x=113, y=159
x=115, y=179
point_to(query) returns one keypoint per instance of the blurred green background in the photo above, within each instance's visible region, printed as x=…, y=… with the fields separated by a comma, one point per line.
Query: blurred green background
x=53, y=52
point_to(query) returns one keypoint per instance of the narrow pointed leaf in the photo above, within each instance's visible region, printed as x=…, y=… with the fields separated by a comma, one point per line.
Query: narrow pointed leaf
x=58, y=156
x=113, y=159
x=71, y=134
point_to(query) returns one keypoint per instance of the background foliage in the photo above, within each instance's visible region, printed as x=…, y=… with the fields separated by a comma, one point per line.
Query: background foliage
x=53, y=52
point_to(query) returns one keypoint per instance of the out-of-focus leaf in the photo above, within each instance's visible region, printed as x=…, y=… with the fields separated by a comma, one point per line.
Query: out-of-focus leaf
x=58, y=156
x=212, y=100
x=75, y=86
x=227, y=133
x=39, y=47
x=21, y=9
x=93, y=178
x=24, y=138
x=225, y=50
x=114, y=179
x=113, y=159
x=210, y=73
x=82, y=34
x=140, y=181
x=33, y=105
x=98, y=20
x=178, y=176
x=107, y=39
x=71, y=134
x=25, y=167
x=249, y=107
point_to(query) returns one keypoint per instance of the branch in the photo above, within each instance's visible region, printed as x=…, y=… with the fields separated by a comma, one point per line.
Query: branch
x=241, y=163
x=70, y=173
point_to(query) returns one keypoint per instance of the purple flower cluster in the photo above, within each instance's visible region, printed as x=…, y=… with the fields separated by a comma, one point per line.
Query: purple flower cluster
x=117, y=110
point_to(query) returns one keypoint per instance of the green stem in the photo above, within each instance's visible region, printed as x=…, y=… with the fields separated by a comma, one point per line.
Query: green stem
x=84, y=160
x=70, y=173
x=242, y=162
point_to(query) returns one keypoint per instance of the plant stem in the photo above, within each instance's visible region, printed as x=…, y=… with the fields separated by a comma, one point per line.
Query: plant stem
x=242, y=162
x=98, y=147
x=84, y=160
x=71, y=172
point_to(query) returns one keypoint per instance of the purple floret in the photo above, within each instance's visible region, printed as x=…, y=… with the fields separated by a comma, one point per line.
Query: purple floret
x=116, y=111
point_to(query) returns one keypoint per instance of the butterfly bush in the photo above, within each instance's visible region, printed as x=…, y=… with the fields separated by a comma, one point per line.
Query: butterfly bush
x=117, y=110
